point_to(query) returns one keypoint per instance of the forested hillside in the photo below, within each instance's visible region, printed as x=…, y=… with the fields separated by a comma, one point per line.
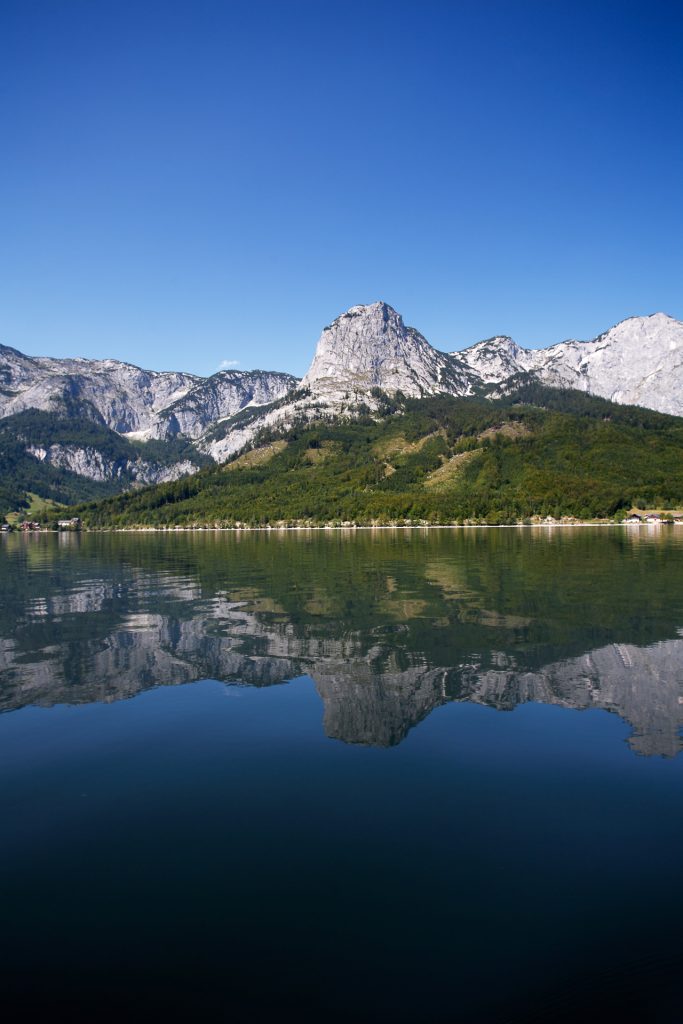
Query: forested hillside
x=442, y=460
x=114, y=458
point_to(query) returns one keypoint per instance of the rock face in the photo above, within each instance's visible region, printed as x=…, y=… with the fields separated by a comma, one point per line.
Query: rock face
x=218, y=397
x=638, y=362
x=370, y=347
x=365, y=348
x=128, y=400
x=120, y=396
x=497, y=359
x=92, y=464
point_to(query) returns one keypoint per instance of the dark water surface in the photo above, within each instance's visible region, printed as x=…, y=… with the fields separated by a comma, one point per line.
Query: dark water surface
x=394, y=776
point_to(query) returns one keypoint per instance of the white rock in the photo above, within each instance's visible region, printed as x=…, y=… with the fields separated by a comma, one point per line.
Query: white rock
x=370, y=347
x=637, y=362
x=89, y=462
x=129, y=400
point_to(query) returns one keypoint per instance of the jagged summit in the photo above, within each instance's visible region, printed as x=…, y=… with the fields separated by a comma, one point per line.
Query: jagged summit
x=496, y=359
x=657, y=319
x=639, y=361
x=126, y=398
x=369, y=346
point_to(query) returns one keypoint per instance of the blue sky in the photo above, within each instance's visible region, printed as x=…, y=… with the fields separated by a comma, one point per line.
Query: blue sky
x=184, y=184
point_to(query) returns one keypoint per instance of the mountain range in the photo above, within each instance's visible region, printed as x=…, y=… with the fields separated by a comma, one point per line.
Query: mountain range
x=111, y=423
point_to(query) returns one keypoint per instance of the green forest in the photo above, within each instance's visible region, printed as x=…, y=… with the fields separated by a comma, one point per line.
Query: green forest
x=442, y=460
x=22, y=473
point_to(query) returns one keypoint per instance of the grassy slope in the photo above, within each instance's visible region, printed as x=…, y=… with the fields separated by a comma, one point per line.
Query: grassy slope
x=36, y=508
x=444, y=460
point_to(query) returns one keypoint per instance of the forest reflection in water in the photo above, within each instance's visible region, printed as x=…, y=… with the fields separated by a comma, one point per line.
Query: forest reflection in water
x=388, y=624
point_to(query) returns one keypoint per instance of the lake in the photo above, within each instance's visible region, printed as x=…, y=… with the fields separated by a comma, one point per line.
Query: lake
x=386, y=776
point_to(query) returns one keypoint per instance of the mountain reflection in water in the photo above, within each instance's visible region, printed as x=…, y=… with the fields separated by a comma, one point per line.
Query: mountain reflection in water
x=389, y=625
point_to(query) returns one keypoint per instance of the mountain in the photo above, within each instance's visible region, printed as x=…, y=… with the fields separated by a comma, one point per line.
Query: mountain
x=364, y=355
x=141, y=403
x=496, y=360
x=110, y=423
x=68, y=460
x=638, y=362
x=367, y=361
x=216, y=398
x=370, y=347
x=118, y=395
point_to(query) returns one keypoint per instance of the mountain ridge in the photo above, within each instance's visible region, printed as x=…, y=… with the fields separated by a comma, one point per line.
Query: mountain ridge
x=366, y=354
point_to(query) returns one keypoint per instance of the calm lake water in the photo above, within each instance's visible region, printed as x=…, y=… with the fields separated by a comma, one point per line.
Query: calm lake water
x=394, y=776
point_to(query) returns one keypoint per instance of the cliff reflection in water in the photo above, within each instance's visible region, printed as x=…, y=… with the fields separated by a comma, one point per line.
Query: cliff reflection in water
x=389, y=626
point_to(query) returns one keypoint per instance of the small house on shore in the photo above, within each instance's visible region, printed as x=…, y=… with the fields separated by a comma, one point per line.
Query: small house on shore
x=69, y=524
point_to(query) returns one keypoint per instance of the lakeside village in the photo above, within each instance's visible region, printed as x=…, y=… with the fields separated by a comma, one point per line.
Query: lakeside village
x=32, y=526
x=632, y=519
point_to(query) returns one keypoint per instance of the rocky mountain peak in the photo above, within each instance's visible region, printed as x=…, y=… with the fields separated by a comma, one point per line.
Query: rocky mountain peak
x=639, y=361
x=645, y=330
x=370, y=346
x=496, y=359
x=369, y=335
x=378, y=310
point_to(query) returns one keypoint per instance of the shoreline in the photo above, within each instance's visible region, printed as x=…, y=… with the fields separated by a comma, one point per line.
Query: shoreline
x=350, y=528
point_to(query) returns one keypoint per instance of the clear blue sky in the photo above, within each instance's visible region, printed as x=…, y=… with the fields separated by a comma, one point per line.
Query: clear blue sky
x=184, y=183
